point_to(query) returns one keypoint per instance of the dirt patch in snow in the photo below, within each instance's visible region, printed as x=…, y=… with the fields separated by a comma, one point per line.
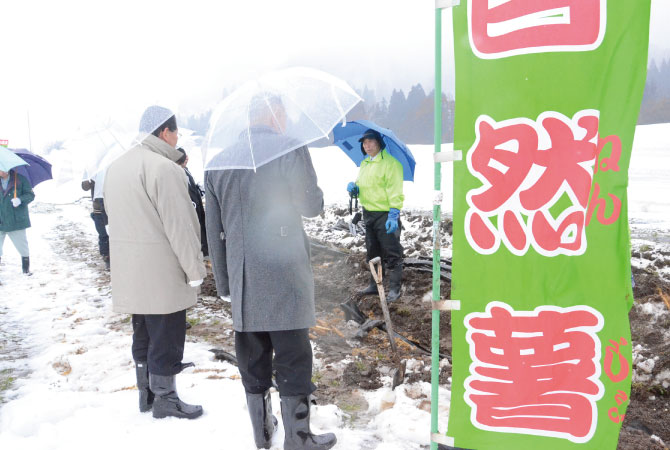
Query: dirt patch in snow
x=347, y=365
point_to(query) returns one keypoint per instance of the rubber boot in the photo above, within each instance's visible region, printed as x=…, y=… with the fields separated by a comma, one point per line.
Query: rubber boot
x=166, y=401
x=25, y=265
x=146, y=396
x=295, y=414
x=395, y=283
x=262, y=420
x=371, y=289
x=107, y=262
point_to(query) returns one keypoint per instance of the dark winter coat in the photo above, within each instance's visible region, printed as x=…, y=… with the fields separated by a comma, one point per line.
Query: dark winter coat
x=196, y=194
x=12, y=219
x=259, y=251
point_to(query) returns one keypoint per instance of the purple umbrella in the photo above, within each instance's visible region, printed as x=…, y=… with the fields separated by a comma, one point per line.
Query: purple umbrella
x=38, y=170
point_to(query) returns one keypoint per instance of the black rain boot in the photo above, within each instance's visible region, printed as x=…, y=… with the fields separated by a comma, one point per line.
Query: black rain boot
x=395, y=283
x=107, y=262
x=297, y=435
x=146, y=396
x=25, y=265
x=371, y=289
x=262, y=420
x=166, y=401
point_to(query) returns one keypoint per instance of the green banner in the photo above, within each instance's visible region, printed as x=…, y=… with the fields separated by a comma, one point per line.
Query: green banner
x=547, y=93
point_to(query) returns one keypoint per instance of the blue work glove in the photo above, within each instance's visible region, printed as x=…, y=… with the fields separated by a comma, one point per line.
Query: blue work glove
x=392, y=221
x=352, y=189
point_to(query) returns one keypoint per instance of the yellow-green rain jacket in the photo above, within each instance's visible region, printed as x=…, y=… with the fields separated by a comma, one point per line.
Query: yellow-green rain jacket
x=380, y=183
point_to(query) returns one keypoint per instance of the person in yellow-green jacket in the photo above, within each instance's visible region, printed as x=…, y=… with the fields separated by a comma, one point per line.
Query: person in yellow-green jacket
x=379, y=190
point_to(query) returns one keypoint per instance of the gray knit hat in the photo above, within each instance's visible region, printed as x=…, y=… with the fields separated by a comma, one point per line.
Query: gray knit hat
x=153, y=118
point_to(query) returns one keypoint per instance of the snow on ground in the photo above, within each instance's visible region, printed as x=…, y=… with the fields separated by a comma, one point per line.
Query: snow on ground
x=66, y=373
x=649, y=178
x=74, y=374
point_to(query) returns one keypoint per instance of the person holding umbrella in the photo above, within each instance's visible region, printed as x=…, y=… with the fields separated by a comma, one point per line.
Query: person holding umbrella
x=380, y=191
x=261, y=257
x=156, y=262
x=16, y=194
x=20, y=171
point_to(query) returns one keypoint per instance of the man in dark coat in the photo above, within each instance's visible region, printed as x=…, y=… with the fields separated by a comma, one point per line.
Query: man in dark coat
x=196, y=194
x=15, y=194
x=99, y=215
x=261, y=257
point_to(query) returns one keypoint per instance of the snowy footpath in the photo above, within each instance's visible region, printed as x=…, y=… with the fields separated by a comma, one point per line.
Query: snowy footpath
x=67, y=378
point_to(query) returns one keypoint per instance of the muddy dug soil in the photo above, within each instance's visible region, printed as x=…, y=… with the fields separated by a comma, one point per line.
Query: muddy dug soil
x=347, y=365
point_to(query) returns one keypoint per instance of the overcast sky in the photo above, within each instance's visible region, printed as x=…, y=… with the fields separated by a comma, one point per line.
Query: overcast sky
x=70, y=62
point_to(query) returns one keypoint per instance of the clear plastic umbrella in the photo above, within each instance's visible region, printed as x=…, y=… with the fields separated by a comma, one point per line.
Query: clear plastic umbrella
x=96, y=147
x=273, y=115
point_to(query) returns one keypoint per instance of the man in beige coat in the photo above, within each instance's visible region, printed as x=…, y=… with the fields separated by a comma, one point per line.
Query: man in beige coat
x=156, y=260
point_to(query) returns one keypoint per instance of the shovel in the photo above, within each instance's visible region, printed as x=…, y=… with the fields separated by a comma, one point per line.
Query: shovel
x=376, y=269
x=398, y=373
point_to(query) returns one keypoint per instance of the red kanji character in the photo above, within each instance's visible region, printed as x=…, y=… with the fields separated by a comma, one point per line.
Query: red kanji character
x=563, y=164
x=501, y=159
x=525, y=168
x=535, y=372
x=500, y=28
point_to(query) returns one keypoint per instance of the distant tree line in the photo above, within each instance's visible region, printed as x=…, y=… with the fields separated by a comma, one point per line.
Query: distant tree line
x=411, y=116
x=656, y=99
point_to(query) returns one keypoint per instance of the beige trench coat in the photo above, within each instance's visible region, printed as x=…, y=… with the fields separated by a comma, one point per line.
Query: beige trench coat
x=154, y=231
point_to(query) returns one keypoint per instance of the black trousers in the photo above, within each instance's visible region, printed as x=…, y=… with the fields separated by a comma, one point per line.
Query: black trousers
x=379, y=243
x=100, y=219
x=159, y=339
x=292, y=361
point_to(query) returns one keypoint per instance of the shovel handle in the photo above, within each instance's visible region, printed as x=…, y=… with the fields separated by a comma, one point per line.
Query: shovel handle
x=376, y=270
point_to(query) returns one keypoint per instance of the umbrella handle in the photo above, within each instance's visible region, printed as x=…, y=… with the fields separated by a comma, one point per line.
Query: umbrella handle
x=15, y=176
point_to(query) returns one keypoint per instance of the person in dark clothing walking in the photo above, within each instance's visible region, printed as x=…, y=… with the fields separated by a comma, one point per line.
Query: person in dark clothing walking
x=15, y=194
x=261, y=257
x=196, y=194
x=99, y=215
x=379, y=189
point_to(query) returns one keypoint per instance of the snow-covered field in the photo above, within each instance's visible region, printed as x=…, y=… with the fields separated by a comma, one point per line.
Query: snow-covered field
x=66, y=372
x=74, y=379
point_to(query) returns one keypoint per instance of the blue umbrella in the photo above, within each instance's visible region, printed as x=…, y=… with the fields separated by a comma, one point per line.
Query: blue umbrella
x=346, y=137
x=9, y=160
x=38, y=168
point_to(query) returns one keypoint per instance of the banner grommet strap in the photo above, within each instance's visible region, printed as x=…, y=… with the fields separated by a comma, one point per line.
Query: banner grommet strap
x=442, y=439
x=445, y=305
x=441, y=4
x=442, y=157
